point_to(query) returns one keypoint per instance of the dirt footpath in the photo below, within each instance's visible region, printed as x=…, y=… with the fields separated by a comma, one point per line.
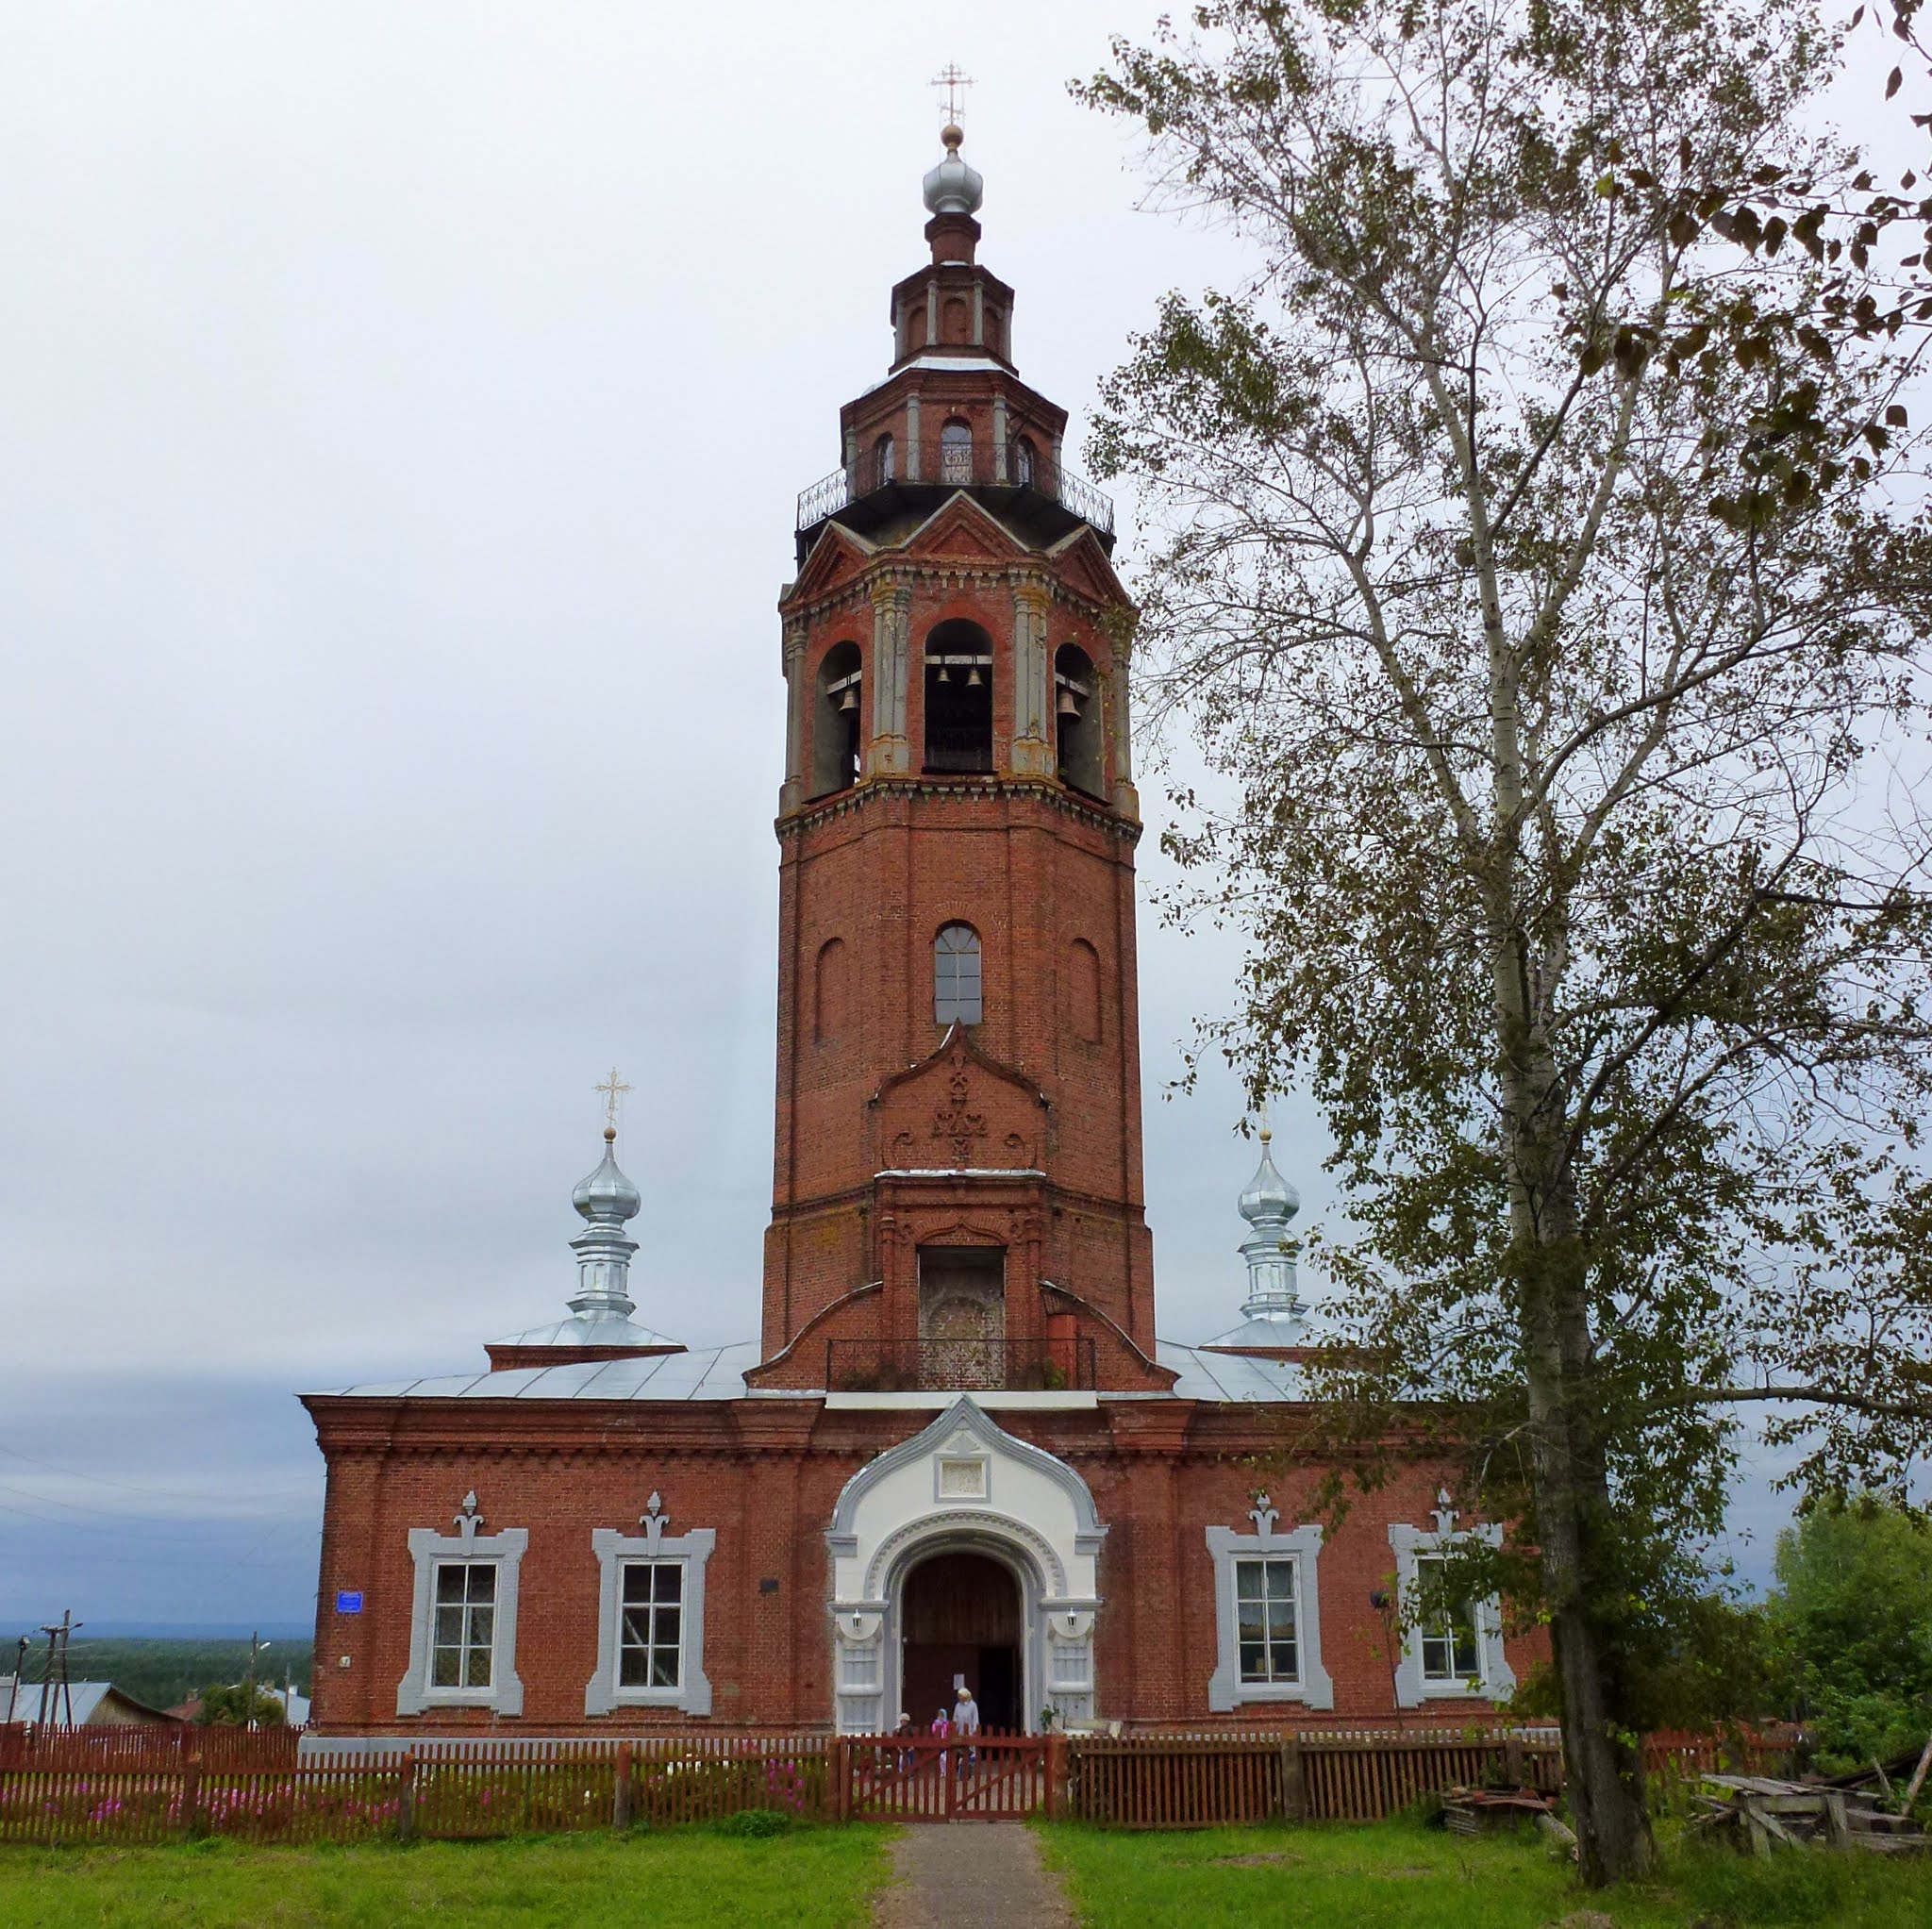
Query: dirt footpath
x=975, y=1875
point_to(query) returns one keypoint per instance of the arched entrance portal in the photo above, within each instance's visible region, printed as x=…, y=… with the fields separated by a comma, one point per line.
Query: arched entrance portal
x=961, y=1615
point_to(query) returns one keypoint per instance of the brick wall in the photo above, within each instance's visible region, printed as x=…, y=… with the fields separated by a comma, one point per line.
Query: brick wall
x=765, y=1476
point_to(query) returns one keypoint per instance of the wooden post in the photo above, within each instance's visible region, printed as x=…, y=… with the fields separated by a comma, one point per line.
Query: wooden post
x=190, y=1797
x=621, y=1799
x=1294, y=1788
x=839, y=1757
x=1056, y=1773
x=1513, y=1761
x=405, y=1808
x=1837, y=1831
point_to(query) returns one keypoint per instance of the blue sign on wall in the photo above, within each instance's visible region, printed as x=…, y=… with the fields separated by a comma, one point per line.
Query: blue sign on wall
x=349, y=1603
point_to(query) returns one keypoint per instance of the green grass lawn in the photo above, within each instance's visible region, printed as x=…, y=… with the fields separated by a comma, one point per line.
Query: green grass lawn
x=681, y=1879
x=1402, y=1875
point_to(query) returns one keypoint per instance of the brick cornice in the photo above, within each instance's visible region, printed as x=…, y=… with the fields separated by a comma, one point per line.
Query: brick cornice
x=872, y=790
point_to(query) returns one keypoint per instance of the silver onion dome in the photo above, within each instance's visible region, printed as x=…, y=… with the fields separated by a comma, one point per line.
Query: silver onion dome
x=605, y=1197
x=1269, y=1198
x=953, y=188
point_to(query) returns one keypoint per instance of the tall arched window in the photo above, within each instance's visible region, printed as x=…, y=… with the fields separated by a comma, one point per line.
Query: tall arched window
x=956, y=985
x=1077, y=709
x=956, y=452
x=1024, y=462
x=959, y=698
x=883, y=470
x=835, y=721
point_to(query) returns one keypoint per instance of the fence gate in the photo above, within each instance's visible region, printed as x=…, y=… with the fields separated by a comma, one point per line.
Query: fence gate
x=920, y=1778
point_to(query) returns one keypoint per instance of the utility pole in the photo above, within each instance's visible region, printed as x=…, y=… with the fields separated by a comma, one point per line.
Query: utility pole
x=57, y=1634
x=19, y=1669
x=255, y=1644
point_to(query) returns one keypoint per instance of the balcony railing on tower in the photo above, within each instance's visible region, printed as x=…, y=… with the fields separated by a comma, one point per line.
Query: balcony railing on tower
x=976, y=1365
x=955, y=465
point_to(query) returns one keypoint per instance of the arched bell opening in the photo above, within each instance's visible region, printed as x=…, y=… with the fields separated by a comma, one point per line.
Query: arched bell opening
x=959, y=699
x=963, y=1617
x=835, y=721
x=1077, y=709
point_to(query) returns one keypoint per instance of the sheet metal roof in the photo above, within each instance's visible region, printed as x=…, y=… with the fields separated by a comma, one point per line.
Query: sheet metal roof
x=717, y=1372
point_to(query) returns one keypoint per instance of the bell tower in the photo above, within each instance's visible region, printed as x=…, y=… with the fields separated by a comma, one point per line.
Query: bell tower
x=956, y=1195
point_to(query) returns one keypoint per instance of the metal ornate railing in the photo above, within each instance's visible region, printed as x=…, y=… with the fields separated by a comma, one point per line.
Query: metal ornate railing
x=895, y=1365
x=955, y=465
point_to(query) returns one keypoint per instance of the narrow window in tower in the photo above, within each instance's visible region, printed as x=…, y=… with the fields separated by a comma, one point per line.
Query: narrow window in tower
x=1077, y=706
x=829, y=997
x=956, y=452
x=1024, y=462
x=883, y=470
x=956, y=975
x=835, y=721
x=959, y=699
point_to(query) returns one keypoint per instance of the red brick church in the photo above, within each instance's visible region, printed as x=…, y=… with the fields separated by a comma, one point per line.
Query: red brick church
x=957, y=1449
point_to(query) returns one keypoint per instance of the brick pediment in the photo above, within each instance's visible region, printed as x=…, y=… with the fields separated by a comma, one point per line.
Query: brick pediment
x=836, y=558
x=1082, y=566
x=960, y=1109
x=959, y=530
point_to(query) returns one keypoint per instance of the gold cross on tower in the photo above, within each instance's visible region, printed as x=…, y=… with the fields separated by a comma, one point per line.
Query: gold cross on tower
x=954, y=80
x=613, y=1089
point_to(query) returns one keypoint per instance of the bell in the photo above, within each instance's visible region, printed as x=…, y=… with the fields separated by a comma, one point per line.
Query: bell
x=848, y=698
x=973, y=679
x=1069, y=705
x=942, y=678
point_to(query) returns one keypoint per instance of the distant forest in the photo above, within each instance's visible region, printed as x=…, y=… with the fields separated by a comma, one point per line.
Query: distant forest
x=160, y=1672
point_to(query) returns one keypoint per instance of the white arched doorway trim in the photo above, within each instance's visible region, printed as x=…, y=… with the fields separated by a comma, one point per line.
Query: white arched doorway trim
x=966, y=1484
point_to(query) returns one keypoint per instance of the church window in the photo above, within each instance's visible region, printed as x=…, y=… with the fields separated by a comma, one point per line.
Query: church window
x=463, y=1618
x=956, y=975
x=1265, y=1620
x=1268, y=1615
x=1024, y=462
x=1451, y=1636
x=465, y=1632
x=883, y=461
x=651, y=1618
x=650, y=1645
x=1077, y=713
x=956, y=452
x=1449, y=1648
x=835, y=721
x=959, y=699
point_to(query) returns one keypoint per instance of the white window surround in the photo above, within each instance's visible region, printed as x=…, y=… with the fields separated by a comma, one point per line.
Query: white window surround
x=605, y=1691
x=428, y=1548
x=1227, y=1690
x=1495, y=1677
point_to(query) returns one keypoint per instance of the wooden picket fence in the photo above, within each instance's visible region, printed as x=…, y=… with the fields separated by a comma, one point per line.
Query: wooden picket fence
x=156, y=1785
x=1175, y=1781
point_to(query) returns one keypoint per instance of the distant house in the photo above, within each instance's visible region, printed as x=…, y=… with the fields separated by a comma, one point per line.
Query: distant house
x=95, y=1705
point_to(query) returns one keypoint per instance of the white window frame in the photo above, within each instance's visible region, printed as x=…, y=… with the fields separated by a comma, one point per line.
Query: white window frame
x=605, y=1692
x=430, y=1551
x=1494, y=1678
x=1311, y=1688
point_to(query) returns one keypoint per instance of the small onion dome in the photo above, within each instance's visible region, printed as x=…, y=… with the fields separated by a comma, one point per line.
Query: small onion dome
x=953, y=188
x=1268, y=1194
x=607, y=1197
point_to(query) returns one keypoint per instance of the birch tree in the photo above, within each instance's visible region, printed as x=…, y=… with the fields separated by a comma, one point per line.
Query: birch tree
x=1571, y=730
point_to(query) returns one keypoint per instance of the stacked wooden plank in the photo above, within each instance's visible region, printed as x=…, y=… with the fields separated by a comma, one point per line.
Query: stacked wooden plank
x=1758, y=1812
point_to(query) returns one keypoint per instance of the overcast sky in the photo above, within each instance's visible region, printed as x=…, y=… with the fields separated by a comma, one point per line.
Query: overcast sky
x=401, y=411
